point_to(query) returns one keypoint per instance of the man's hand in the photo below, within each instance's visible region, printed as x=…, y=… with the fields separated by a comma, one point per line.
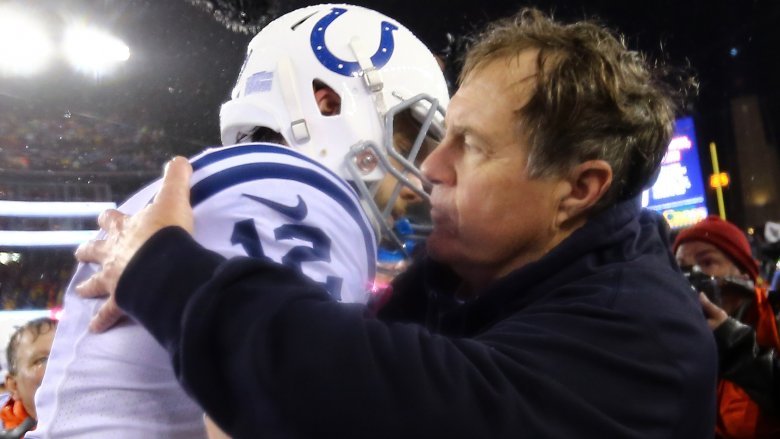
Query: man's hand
x=714, y=314
x=126, y=234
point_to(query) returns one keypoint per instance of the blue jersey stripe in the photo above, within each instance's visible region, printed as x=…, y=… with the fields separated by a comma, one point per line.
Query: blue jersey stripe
x=227, y=178
x=250, y=148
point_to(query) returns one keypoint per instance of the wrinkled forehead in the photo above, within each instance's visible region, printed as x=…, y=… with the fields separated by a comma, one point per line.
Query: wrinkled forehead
x=513, y=78
x=691, y=251
x=490, y=99
x=516, y=68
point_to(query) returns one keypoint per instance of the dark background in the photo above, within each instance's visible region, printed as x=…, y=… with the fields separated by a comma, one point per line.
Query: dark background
x=184, y=59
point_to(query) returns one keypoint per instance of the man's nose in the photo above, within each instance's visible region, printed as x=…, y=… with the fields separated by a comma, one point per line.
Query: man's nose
x=436, y=168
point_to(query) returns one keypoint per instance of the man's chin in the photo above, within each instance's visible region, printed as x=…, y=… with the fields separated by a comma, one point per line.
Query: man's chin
x=440, y=247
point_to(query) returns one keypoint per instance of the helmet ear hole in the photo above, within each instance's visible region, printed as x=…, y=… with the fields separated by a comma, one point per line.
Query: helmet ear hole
x=366, y=161
x=328, y=101
x=263, y=135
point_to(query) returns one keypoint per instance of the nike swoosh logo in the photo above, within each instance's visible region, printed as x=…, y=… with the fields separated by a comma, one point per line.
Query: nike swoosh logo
x=296, y=213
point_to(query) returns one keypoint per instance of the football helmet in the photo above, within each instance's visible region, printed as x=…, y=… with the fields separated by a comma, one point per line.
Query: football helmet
x=378, y=68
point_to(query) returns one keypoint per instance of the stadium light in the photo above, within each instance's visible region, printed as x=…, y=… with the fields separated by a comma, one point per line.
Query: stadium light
x=92, y=50
x=25, y=48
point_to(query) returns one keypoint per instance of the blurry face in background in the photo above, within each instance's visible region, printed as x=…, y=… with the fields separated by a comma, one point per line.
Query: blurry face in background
x=405, y=130
x=709, y=258
x=712, y=262
x=31, y=357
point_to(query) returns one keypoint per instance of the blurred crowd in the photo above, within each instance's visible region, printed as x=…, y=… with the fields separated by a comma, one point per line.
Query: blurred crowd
x=48, y=140
x=37, y=280
x=52, y=155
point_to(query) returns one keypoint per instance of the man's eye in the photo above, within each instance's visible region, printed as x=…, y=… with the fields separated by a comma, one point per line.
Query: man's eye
x=41, y=360
x=707, y=263
x=472, y=144
x=471, y=147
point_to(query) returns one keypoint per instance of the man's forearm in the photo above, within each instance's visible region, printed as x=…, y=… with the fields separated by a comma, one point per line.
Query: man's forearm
x=264, y=349
x=158, y=281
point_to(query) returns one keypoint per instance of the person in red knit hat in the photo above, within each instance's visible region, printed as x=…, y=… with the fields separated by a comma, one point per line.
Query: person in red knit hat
x=28, y=351
x=745, y=326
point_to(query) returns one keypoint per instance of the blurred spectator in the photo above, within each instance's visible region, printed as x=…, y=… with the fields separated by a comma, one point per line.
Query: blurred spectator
x=745, y=326
x=27, y=351
x=4, y=395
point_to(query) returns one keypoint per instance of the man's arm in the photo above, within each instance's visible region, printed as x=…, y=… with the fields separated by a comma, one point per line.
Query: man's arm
x=247, y=336
x=743, y=362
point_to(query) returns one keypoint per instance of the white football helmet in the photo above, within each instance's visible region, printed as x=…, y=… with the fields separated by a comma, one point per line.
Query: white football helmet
x=377, y=67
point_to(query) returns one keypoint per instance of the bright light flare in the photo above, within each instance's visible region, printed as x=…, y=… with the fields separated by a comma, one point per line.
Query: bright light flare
x=92, y=50
x=25, y=47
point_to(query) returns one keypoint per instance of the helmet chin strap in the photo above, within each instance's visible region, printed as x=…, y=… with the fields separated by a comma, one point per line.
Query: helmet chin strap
x=291, y=98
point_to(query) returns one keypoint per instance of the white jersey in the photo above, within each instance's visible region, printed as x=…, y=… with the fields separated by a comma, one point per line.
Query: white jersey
x=254, y=199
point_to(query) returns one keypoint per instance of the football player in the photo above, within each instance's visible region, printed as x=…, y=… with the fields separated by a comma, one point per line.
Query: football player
x=310, y=178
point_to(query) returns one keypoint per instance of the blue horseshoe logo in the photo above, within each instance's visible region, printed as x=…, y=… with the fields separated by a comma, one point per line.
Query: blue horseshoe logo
x=340, y=66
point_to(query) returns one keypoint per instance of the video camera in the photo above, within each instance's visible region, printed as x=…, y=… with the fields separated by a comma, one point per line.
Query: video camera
x=715, y=287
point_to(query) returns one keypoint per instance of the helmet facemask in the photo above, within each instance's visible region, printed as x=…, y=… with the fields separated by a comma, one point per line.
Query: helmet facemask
x=388, y=178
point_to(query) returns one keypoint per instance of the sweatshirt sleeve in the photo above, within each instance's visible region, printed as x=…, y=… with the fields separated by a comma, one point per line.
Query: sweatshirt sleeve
x=248, y=336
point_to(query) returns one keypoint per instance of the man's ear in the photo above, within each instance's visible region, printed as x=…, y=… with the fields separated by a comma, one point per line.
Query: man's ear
x=587, y=184
x=328, y=101
x=10, y=385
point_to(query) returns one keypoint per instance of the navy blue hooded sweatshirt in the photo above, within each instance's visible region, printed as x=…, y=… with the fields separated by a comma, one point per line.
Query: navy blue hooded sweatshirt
x=600, y=338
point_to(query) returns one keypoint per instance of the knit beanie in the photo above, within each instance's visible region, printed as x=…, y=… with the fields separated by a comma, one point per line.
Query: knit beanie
x=726, y=237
